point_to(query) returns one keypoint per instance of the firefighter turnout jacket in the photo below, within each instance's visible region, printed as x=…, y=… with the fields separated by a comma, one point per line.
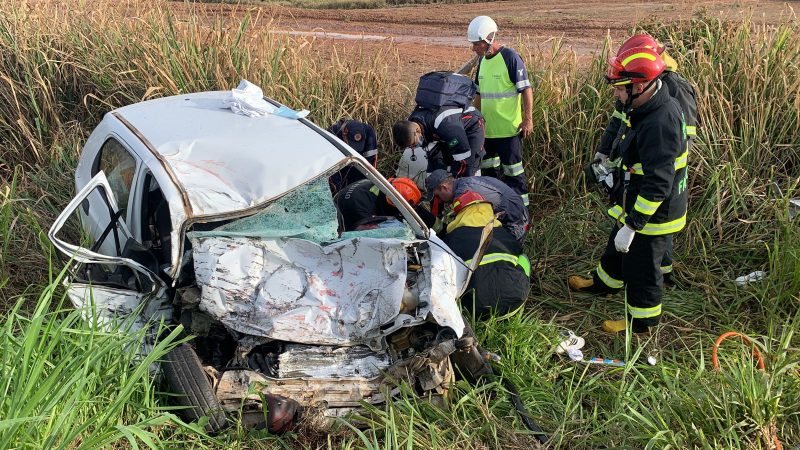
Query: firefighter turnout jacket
x=679, y=88
x=504, y=200
x=651, y=192
x=459, y=132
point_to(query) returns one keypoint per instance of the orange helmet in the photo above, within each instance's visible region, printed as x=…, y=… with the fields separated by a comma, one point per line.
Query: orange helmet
x=641, y=40
x=407, y=189
x=635, y=65
x=466, y=199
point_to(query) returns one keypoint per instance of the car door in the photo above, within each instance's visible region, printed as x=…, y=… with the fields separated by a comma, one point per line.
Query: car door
x=121, y=167
x=111, y=276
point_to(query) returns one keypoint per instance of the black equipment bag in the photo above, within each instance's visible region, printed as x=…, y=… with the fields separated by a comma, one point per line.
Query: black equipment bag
x=438, y=89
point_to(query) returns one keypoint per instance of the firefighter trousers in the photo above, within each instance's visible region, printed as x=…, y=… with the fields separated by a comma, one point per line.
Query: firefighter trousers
x=500, y=287
x=639, y=271
x=503, y=160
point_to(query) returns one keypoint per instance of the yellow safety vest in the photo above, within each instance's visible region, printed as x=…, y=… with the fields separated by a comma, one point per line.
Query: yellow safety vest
x=501, y=104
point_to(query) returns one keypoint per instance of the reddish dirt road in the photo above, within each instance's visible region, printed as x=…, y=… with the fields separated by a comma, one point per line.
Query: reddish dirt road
x=430, y=37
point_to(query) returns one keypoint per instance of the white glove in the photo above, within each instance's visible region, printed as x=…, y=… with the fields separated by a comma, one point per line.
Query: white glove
x=623, y=239
x=601, y=157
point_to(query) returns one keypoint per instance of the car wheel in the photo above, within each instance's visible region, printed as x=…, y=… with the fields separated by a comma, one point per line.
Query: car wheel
x=187, y=379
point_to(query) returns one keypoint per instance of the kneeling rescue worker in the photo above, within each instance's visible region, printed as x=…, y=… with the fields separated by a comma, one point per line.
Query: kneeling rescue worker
x=501, y=281
x=649, y=195
x=505, y=201
x=362, y=202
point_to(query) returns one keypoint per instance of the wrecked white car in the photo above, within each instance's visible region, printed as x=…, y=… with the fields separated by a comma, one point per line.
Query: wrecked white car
x=193, y=214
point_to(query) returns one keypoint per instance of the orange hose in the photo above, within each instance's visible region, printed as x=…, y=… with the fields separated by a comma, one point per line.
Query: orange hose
x=745, y=339
x=756, y=353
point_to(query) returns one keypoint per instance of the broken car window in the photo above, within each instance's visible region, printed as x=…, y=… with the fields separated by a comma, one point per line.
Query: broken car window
x=120, y=167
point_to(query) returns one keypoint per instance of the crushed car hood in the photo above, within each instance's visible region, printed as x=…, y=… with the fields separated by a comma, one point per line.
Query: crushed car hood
x=344, y=293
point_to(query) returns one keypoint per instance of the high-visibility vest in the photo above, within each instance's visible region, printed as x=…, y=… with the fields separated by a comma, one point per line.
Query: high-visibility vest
x=501, y=104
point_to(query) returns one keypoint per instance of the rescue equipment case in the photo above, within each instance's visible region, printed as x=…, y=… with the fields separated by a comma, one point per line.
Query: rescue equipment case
x=438, y=89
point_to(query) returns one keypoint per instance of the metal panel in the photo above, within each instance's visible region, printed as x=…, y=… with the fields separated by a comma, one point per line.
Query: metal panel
x=298, y=291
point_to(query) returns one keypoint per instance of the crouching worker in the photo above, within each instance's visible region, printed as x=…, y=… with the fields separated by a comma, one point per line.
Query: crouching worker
x=505, y=201
x=457, y=132
x=501, y=282
x=362, y=203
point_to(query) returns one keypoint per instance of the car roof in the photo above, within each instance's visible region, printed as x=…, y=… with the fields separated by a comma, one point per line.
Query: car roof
x=223, y=162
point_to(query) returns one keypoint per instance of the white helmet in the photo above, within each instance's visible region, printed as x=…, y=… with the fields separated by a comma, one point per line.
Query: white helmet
x=480, y=28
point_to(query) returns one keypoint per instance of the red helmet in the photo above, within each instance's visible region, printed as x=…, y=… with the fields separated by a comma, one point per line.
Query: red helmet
x=635, y=65
x=407, y=189
x=466, y=199
x=641, y=40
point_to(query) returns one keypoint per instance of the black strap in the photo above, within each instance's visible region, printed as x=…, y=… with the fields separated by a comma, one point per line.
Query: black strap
x=112, y=225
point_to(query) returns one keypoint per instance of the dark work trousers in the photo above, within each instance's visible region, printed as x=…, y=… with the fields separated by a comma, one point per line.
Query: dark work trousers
x=503, y=160
x=666, y=263
x=640, y=271
x=436, y=160
x=499, y=286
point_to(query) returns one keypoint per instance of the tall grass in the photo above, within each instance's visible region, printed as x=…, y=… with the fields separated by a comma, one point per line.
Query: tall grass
x=63, y=65
x=63, y=68
x=70, y=383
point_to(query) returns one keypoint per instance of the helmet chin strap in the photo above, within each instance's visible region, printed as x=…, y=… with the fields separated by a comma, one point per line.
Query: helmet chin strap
x=629, y=97
x=632, y=96
x=488, y=51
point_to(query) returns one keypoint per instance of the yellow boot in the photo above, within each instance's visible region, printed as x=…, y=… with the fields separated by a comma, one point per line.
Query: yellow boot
x=579, y=283
x=618, y=326
x=614, y=326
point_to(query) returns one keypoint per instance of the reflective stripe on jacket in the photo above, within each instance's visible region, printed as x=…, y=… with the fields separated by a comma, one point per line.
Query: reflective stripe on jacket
x=517, y=260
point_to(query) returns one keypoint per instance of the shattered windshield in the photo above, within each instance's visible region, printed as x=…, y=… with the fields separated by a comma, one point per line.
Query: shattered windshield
x=307, y=212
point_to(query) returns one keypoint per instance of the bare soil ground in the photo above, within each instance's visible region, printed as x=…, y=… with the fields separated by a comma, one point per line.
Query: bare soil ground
x=430, y=37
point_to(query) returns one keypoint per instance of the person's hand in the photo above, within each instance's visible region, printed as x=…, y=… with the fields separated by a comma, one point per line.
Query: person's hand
x=526, y=127
x=623, y=239
x=600, y=157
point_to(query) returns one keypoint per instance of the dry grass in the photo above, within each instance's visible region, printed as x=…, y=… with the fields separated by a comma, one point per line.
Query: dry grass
x=63, y=65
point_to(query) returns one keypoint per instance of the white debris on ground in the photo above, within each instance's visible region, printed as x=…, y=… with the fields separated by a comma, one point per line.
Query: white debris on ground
x=752, y=277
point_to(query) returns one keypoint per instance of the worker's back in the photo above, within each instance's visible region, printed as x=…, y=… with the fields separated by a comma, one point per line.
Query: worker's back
x=501, y=281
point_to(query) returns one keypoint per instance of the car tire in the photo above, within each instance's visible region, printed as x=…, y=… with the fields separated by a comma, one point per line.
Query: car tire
x=186, y=378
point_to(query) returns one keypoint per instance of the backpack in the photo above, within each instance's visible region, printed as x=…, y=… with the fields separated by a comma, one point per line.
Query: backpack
x=438, y=89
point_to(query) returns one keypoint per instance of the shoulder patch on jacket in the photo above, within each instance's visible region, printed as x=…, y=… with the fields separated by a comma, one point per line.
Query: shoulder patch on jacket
x=453, y=143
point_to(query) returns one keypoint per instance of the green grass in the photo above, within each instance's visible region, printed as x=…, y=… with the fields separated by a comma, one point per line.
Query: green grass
x=68, y=382
x=62, y=70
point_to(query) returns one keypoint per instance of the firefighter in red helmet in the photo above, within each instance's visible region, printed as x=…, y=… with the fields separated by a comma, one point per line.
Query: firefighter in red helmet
x=680, y=89
x=648, y=192
x=500, y=282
